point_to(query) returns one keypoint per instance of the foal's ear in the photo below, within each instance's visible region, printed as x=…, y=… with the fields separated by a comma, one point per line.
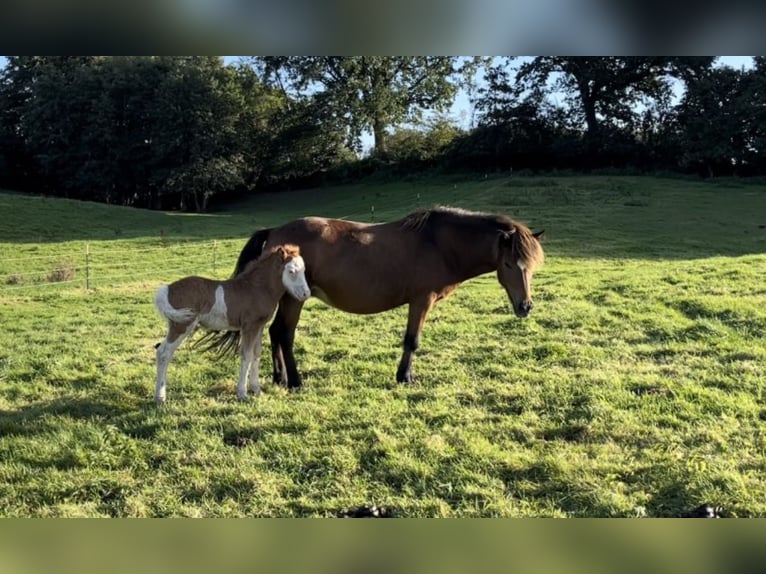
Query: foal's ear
x=539, y=234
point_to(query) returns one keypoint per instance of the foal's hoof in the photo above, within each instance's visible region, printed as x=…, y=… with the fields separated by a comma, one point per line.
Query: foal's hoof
x=159, y=400
x=244, y=398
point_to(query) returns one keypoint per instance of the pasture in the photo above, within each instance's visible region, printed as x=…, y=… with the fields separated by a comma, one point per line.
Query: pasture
x=635, y=388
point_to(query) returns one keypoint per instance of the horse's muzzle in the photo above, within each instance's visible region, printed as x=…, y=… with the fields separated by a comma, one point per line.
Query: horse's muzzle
x=524, y=308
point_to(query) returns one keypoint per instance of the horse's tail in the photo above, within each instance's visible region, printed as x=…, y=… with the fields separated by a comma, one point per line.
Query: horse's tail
x=227, y=342
x=167, y=310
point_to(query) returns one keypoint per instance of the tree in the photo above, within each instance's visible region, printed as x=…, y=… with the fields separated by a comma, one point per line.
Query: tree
x=423, y=145
x=517, y=127
x=195, y=139
x=148, y=131
x=713, y=119
x=369, y=92
x=607, y=89
x=754, y=107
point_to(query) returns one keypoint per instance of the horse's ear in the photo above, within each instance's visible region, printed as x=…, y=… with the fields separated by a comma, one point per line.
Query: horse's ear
x=506, y=235
x=282, y=253
x=539, y=234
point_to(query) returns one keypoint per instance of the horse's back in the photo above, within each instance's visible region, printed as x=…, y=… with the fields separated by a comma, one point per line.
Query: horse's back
x=360, y=267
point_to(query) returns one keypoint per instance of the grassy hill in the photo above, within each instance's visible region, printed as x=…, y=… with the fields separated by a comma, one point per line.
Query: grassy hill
x=636, y=388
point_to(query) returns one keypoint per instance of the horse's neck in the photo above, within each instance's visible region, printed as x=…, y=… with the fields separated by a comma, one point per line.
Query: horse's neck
x=472, y=254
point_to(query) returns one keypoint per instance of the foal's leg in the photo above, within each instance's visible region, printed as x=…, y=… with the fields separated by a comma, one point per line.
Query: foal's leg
x=246, y=355
x=418, y=311
x=176, y=334
x=254, y=382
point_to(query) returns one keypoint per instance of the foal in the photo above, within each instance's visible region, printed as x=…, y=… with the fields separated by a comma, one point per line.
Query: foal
x=244, y=303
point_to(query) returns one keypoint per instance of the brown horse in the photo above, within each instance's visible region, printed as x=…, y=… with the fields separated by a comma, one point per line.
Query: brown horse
x=368, y=268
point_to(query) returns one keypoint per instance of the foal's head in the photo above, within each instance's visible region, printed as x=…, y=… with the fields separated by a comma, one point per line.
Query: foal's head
x=519, y=255
x=293, y=272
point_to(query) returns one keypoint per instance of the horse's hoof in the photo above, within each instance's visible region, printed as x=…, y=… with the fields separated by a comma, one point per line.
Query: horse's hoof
x=244, y=398
x=159, y=401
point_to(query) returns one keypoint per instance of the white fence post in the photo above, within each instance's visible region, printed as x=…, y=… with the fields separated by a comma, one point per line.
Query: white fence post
x=87, y=266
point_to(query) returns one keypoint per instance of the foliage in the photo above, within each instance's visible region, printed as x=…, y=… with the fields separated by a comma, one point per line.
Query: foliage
x=618, y=113
x=369, y=91
x=157, y=132
x=710, y=119
x=422, y=145
x=606, y=89
x=634, y=389
x=190, y=132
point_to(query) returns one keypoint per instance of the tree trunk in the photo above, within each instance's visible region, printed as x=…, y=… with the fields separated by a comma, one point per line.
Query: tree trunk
x=379, y=130
x=589, y=109
x=590, y=119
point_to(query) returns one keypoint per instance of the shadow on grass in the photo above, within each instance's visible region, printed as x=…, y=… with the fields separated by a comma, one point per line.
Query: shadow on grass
x=585, y=217
x=51, y=220
x=47, y=416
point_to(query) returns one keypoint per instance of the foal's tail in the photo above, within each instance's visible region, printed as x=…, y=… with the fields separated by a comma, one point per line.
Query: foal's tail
x=227, y=342
x=168, y=311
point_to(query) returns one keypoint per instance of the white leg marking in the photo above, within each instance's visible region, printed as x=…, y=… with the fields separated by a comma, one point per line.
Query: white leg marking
x=246, y=354
x=255, y=381
x=164, y=355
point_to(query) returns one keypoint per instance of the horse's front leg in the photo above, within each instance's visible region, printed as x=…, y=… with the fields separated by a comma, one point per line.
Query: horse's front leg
x=416, y=317
x=254, y=382
x=276, y=330
x=290, y=311
x=246, y=355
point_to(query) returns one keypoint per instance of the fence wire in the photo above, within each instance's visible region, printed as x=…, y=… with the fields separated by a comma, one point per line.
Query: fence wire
x=94, y=267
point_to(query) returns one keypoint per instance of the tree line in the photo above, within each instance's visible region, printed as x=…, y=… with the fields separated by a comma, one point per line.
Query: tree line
x=180, y=132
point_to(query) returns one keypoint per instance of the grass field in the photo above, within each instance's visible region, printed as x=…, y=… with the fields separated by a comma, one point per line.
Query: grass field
x=636, y=388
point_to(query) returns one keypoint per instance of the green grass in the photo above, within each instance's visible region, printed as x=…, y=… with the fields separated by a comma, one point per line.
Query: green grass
x=635, y=388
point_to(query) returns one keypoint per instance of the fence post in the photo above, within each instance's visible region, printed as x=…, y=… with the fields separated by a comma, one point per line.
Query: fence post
x=215, y=244
x=87, y=266
x=372, y=213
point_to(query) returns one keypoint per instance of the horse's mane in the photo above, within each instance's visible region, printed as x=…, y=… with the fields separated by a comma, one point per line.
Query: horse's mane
x=527, y=248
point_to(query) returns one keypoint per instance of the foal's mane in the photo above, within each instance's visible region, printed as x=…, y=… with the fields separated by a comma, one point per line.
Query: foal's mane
x=279, y=254
x=526, y=247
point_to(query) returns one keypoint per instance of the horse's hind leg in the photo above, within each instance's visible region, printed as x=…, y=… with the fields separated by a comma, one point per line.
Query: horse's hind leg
x=416, y=317
x=165, y=350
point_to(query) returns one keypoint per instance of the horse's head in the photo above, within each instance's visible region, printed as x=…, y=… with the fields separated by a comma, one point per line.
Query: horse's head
x=294, y=272
x=519, y=255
